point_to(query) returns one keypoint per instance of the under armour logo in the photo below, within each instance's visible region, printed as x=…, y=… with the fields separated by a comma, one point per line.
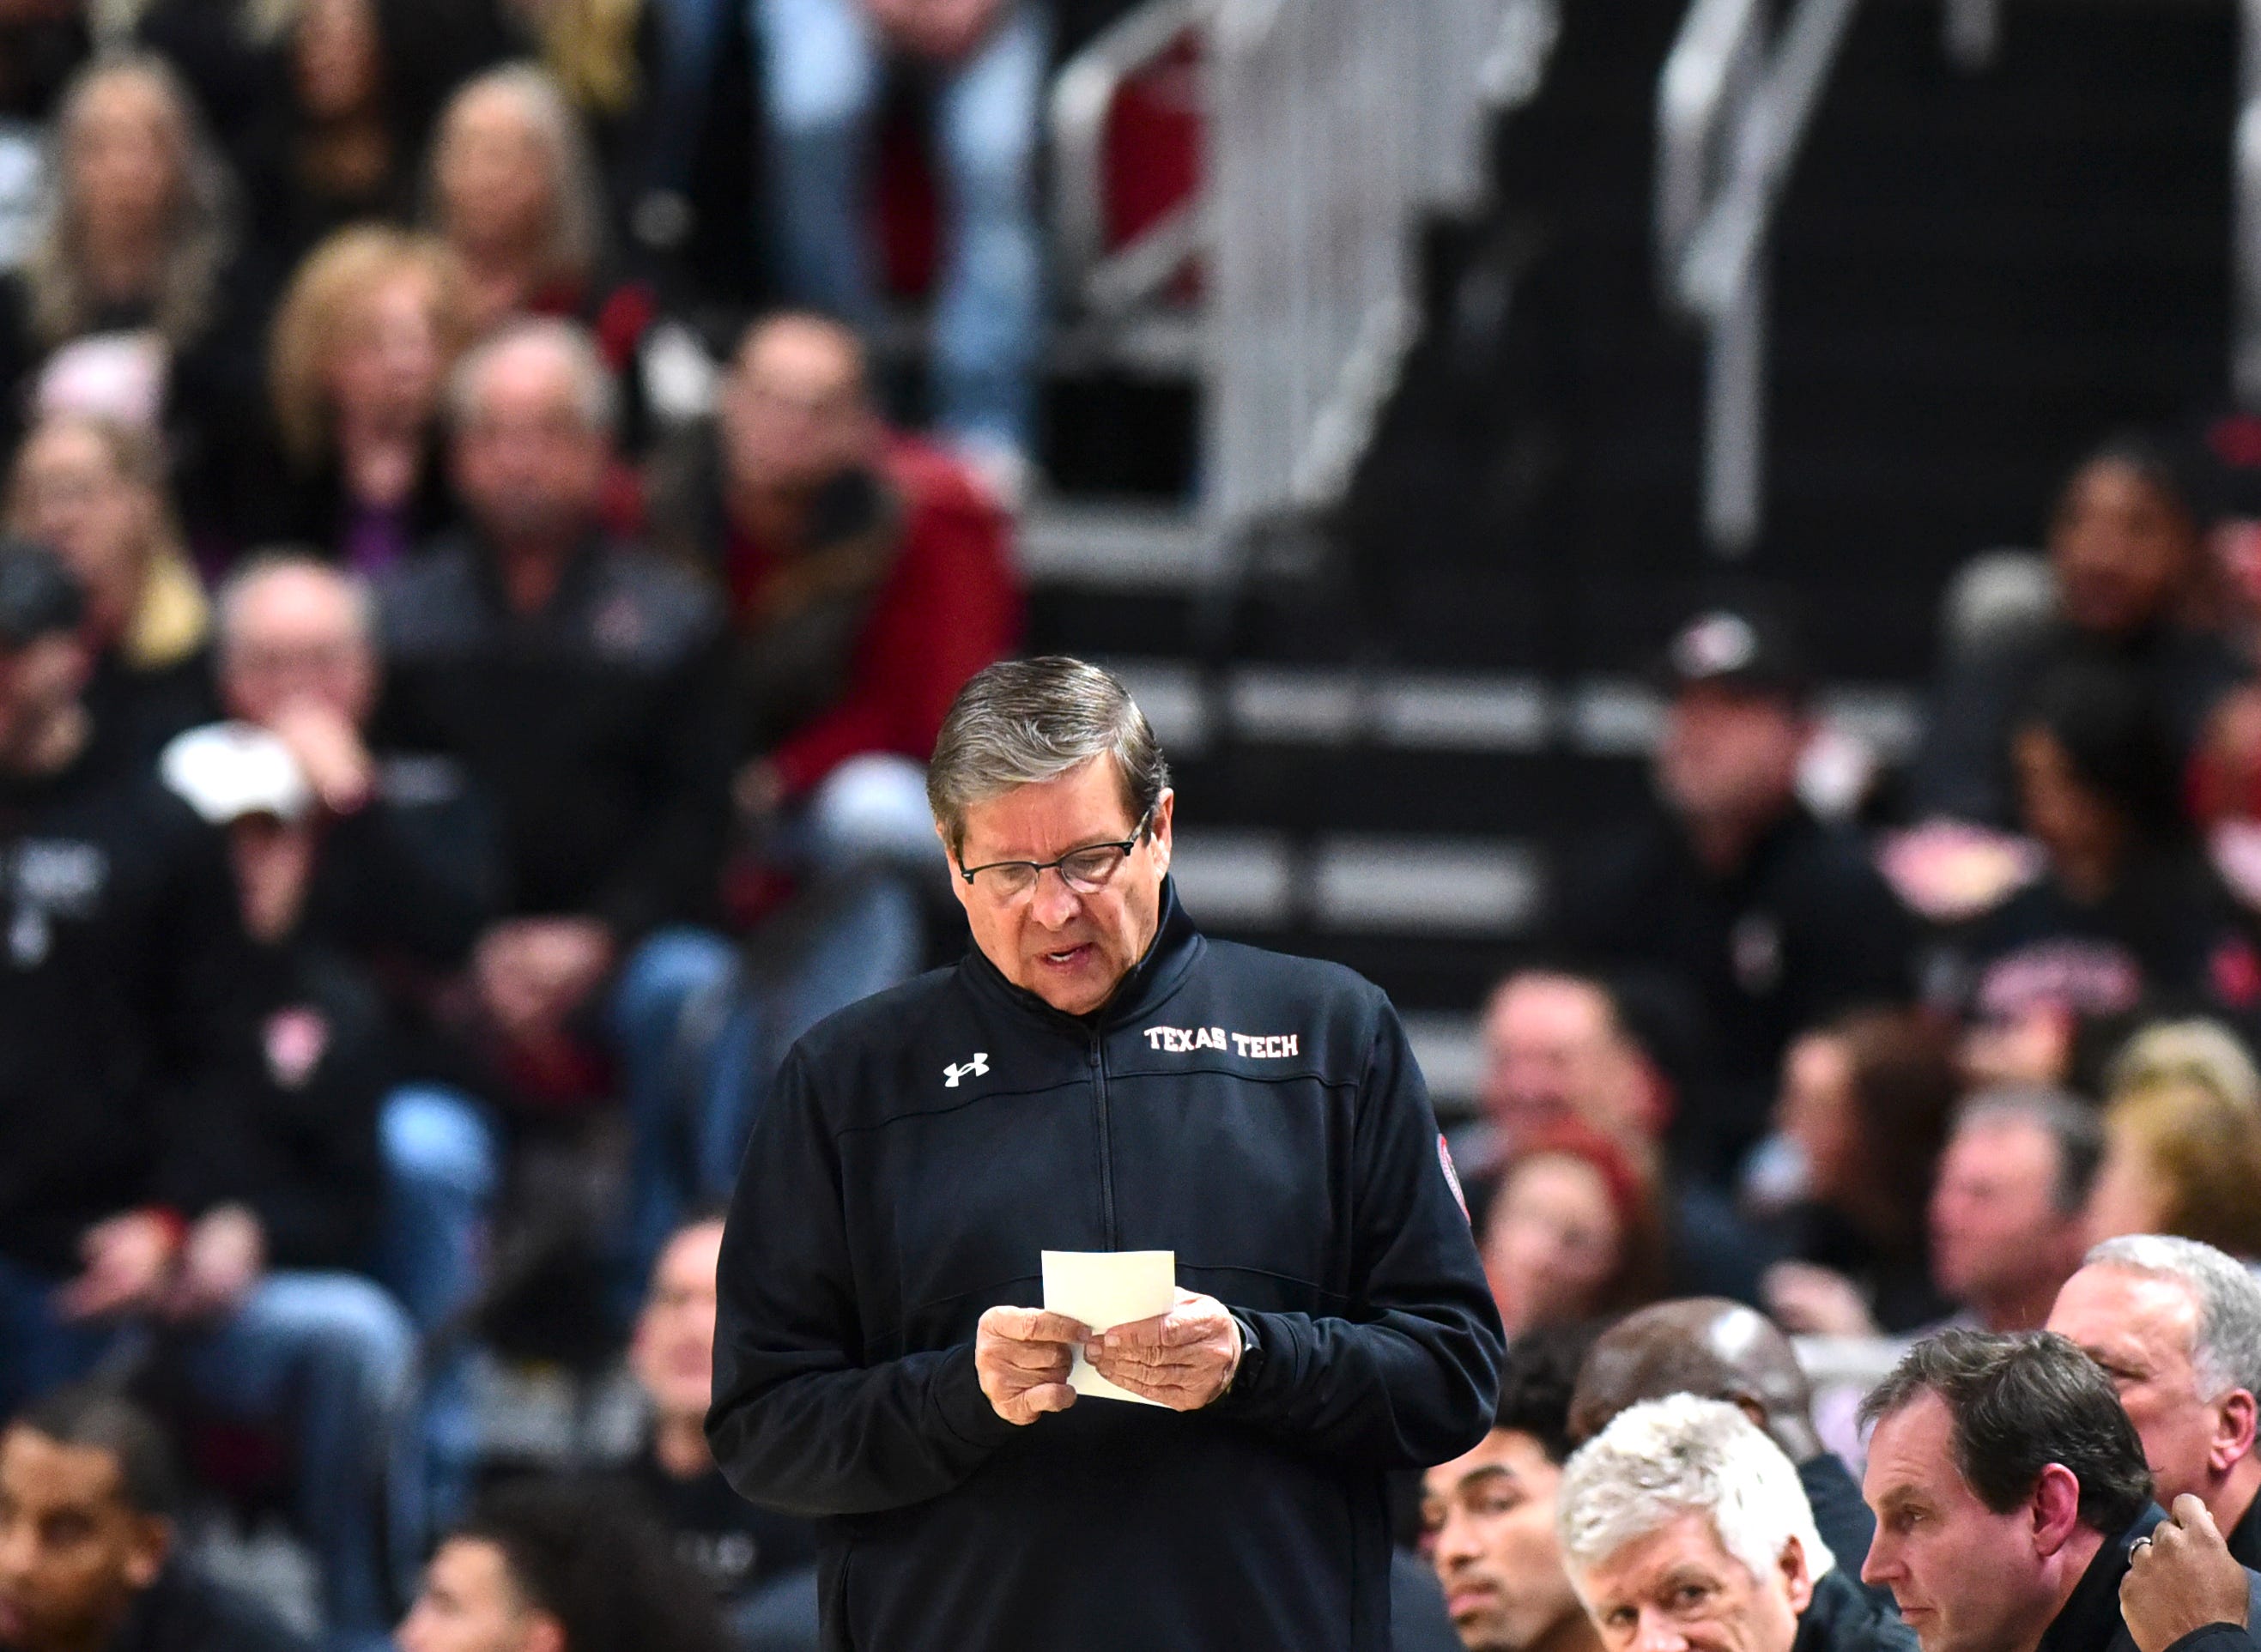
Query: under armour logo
x=975, y=1069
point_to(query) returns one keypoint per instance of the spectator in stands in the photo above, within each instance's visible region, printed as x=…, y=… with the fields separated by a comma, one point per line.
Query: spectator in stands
x=135, y=267
x=148, y=1117
x=1681, y=1521
x=93, y=491
x=1723, y=1350
x=1865, y=1102
x=1573, y=1232
x=2009, y=1489
x=2008, y=1208
x=1734, y=903
x=824, y=60
x=1556, y=1048
x=2129, y=909
x=513, y=191
x=571, y=679
x=2128, y=551
x=89, y=1546
x=2177, y=1327
x=762, y=1565
x=1560, y=1051
x=1489, y=1514
x=2180, y=1158
x=395, y=886
x=558, y=1568
x=363, y=345
x=2199, y=1050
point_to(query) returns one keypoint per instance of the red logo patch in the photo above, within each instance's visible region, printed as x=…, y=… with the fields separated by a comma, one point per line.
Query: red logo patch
x=1452, y=1175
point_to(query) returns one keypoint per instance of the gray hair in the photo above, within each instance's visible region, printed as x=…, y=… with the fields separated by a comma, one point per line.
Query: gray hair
x=1683, y=1454
x=266, y=562
x=577, y=234
x=594, y=390
x=203, y=230
x=1022, y=722
x=2070, y=1124
x=2226, y=1348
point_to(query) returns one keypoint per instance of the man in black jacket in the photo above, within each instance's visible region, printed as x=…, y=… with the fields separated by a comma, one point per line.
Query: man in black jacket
x=1095, y=1076
x=153, y=1109
x=2010, y=1492
x=1723, y=1350
x=1682, y=1520
x=87, y=1542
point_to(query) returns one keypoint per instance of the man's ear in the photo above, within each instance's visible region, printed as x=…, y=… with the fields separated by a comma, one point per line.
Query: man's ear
x=2235, y=1417
x=1165, y=807
x=2055, y=1509
x=149, y=1545
x=1796, y=1578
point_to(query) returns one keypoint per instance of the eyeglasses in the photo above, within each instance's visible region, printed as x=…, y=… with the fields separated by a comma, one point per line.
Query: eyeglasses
x=1087, y=871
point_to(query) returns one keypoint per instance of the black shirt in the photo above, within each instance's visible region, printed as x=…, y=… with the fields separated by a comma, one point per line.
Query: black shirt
x=1845, y=1617
x=2091, y=1621
x=1260, y=1116
x=184, y=1611
x=2244, y=1538
x=1841, y=1516
x=734, y=1545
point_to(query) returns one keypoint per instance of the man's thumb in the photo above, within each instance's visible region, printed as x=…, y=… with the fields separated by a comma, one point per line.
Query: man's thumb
x=2193, y=1515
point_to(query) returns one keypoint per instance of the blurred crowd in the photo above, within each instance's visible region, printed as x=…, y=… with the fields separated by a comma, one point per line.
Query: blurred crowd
x=473, y=614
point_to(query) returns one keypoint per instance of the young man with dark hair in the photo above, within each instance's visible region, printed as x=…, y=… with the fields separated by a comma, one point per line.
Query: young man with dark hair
x=87, y=1562
x=1490, y=1512
x=2011, y=1491
x=555, y=1567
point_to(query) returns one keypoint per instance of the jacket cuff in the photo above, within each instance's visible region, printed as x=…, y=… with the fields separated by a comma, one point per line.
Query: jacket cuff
x=1245, y=1391
x=965, y=1410
x=2215, y=1637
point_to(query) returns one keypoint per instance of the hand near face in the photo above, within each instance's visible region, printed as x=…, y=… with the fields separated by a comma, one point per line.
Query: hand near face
x=1022, y=1356
x=2180, y=1579
x=221, y=1261
x=128, y=1260
x=1184, y=1358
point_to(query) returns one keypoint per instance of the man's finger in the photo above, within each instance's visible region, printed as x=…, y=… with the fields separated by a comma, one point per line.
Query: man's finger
x=1040, y=1357
x=1032, y=1325
x=1050, y=1397
x=2193, y=1515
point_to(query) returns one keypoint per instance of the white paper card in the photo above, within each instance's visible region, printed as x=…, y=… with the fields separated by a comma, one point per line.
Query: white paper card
x=1103, y=1289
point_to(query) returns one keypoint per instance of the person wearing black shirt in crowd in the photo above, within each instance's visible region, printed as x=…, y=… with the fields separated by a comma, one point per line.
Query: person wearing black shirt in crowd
x=761, y=1564
x=148, y=1060
x=572, y=680
x=88, y=1544
x=1732, y=904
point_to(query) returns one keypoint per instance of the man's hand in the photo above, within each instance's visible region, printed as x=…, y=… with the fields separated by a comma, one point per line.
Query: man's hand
x=221, y=1260
x=1183, y=1358
x=332, y=752
x=1809, y=1301
x=2181, y=1578
x=533, y=973
x=128, y=1259
x=1022, y=1355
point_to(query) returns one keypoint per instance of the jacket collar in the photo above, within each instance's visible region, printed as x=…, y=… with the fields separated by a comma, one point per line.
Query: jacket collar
x=1151, y=980
x=2089, y=1621
x=2245, y=1537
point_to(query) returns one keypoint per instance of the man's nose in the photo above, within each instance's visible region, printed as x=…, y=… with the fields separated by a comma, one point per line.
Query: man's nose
x=1054, y=905
x=1455, y=1541
x=1877, y=1569
x=1658, y=1632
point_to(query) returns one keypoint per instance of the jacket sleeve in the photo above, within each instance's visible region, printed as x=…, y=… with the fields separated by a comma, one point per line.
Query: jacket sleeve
x=800, y=1423
x=1412, y=1378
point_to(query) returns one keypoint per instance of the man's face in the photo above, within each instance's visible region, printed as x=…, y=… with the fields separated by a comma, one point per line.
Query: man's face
x=1995, y=1224
x=1490, y=1517
x=39, y=682
x=73, y=1552
x=492, y=171
x=470, y=1604
x=1730, y=754
x=2141, y=1328
x=1966, y=1578
x=1551, y=1051
x=1069, y=948
x=672, y=1352
x=2121, y=549
x=121, y=153
x=295, y=636
x=1816, y=1111
x=69, y=497
x=529, y=463
x=1678, y=1589
x=793, y=410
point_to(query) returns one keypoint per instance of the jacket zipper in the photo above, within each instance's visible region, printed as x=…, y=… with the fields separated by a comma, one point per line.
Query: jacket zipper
x=1106, y=1152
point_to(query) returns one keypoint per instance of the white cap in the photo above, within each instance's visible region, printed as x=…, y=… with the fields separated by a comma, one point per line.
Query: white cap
x=227, y=770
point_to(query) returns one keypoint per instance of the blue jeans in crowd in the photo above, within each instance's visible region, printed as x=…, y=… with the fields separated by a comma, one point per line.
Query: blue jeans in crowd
x=327, y=1359
x=822, y=76
x=701, y=1023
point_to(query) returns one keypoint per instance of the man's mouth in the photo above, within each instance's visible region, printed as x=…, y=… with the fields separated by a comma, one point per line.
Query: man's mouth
x=1066, y=957
x=1467, y=1599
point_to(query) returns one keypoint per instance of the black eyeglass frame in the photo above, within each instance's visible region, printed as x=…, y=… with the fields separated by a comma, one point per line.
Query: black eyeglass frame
x=1123, y=846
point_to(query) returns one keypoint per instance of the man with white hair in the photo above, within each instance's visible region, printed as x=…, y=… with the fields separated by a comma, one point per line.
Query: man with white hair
x=2176, y=1324
x=1682, y=1524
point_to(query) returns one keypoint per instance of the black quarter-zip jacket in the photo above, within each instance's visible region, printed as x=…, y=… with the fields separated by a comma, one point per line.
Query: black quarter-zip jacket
x=1259, y=1115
